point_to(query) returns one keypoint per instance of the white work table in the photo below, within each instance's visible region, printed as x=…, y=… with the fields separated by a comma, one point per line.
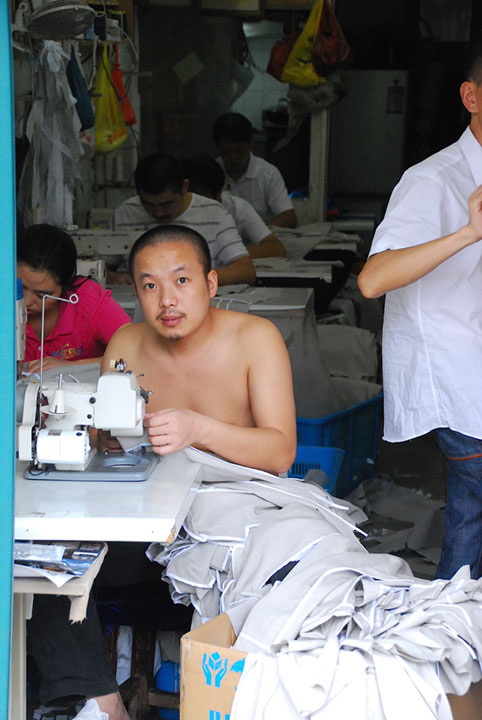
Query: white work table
x=297, y=269
x=147, y=511
x=259, y=300
x=350, y=245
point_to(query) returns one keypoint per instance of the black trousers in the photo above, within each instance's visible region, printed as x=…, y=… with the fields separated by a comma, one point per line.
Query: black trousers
x=71, y=657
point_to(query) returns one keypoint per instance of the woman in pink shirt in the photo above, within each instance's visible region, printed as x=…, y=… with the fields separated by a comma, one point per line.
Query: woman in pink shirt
x=46, y=264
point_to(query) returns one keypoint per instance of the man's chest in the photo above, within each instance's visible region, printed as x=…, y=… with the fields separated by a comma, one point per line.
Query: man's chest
x=218, y=389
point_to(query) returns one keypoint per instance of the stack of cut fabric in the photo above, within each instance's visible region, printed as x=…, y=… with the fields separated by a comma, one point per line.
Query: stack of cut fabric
x=345, y=632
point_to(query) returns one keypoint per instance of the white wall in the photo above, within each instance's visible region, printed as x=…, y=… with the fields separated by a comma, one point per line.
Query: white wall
x=264, y=91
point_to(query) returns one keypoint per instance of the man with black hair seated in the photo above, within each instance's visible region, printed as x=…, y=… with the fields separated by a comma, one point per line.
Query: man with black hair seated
x=206, y=177
x=163, y=199
x=250, y=177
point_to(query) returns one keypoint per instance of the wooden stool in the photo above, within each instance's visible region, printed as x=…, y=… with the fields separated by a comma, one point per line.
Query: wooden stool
x=138, y=692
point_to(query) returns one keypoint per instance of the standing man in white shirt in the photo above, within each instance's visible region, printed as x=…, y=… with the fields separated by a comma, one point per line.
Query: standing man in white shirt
x=163, y=199
x=427, y=257
x=250, y=177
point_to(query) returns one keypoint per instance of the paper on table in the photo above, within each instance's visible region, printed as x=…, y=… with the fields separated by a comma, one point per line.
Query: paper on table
x=58, y=578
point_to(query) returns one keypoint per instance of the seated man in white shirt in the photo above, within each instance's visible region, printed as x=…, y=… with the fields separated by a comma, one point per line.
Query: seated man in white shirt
x=206, y=177
x=250, y=177
x=163, y=199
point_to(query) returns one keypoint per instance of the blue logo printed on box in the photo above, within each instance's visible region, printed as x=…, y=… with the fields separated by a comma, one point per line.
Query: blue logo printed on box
x=216, y=715
x=215, y=668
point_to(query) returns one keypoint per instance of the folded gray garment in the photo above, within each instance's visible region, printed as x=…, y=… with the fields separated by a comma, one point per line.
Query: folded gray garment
x=340, y=609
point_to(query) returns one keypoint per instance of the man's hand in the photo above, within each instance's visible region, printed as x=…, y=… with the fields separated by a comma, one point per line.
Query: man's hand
x=475, y=213
x=106, y=442
x=171, y=430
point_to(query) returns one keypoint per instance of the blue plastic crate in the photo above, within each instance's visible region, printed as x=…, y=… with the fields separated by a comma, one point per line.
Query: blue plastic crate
x=168, y=679
x=355, y=430
x=327, y=459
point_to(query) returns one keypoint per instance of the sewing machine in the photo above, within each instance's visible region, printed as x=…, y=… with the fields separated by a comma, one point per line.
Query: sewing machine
x=55, y=418
x=93, y=269
x=94, y=243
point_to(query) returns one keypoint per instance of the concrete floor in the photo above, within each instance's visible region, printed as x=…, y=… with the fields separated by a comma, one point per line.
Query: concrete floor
x=417, y=464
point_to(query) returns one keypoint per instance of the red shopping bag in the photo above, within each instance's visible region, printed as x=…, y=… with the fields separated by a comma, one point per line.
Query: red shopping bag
x=118, y=82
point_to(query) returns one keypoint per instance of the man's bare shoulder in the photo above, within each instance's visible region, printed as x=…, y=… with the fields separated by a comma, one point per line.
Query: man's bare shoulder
x=250, y=327
x=126, y=339
x=128, y=333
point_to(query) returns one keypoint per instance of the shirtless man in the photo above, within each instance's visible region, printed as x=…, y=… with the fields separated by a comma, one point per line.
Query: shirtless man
x=221, y=381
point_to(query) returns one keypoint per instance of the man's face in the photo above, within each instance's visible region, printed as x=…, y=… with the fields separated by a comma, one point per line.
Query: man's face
x=235, y=156
x=165, y=207
x=173, y=289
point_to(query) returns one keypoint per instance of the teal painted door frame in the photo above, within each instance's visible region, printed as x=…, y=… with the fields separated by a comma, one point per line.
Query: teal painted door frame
x=7, y=349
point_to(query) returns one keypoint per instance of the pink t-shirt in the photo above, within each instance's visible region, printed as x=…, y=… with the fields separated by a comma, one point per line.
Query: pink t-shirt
x=82, y=330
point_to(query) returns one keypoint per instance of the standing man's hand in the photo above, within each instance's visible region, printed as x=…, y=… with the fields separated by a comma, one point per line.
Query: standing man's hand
x=475, y=213
x=171, y=430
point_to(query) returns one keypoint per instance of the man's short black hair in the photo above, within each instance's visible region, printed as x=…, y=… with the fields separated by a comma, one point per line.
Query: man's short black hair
x=172, y=233
x=473, y=62
x=157, y=173
x=204, y=174
x=232, y=127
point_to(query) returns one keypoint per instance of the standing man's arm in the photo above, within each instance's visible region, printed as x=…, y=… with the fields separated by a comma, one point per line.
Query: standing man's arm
x=271, y=445
x=392, y=269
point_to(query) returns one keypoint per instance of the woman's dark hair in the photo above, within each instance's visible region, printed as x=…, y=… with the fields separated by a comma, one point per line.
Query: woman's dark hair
x=232, y=127
x=172, y=233
x=45, y=247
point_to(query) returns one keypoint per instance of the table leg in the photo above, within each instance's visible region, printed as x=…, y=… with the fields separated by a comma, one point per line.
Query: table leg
x=18, y=658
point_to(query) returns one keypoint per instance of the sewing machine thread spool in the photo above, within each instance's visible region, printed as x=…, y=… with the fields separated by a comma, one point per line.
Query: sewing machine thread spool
x=57, y=406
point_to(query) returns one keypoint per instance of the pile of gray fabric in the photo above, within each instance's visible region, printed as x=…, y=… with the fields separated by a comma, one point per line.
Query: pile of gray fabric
x=345, y=633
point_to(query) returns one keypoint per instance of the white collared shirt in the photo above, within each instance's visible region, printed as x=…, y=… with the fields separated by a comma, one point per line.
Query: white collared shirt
x=432, y=333
x=261, y=185
x=250, y=225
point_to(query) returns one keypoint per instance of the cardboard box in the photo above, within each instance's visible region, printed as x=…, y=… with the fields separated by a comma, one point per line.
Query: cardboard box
x=210, y=672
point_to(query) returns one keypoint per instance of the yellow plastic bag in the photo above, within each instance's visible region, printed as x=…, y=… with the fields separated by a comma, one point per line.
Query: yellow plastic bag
x=299, y=69
x=110, y=128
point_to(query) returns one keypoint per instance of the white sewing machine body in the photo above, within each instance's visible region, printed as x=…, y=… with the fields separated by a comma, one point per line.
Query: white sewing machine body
x=56, y=418
x=94, y=243
x=94, y=269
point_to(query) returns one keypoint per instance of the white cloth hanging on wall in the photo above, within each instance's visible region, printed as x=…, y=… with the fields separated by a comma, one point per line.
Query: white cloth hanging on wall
x=48, y=177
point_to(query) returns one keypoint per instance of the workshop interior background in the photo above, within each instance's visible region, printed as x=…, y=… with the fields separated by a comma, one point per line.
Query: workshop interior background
x=186, y=65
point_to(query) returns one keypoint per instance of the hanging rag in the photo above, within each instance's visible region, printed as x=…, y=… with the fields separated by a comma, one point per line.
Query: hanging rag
x=51, y=165
x=78, y=86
